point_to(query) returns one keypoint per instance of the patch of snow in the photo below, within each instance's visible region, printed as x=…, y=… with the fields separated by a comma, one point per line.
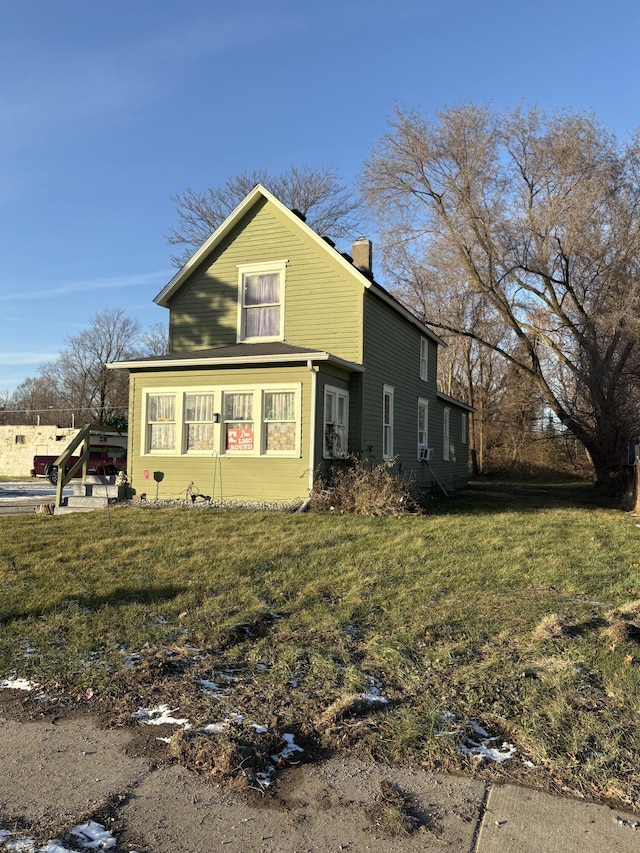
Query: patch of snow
x=160, y=716
x=483, y=748
x=89, y=836
x=259, y=730
x=373, y=698
x=211, y=688
x=14, y=683
x=264, y=780
x=218, y=728
x=290, y=748
x=93, y=836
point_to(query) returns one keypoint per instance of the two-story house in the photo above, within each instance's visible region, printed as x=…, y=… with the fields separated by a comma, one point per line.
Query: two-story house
x=284, y=355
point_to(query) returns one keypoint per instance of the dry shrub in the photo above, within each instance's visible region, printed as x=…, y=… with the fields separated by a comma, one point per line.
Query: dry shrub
x=355, y=487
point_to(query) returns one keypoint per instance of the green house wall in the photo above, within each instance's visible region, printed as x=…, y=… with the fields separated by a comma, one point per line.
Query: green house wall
x=222, y=477
x=392, y=357
x=232, y=478
x=322, y=306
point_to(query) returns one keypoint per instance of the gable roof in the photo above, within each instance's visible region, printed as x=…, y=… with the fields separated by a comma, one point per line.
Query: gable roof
x=257, y=193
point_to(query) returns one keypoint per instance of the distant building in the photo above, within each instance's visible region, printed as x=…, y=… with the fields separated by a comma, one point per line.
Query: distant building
x=19, y=444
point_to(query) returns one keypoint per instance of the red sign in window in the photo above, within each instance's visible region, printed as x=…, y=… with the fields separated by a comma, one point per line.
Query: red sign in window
x=239, y=439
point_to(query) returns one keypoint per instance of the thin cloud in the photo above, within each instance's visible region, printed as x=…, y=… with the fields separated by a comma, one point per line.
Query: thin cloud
x=65, y=89
x=83, y=286
x=17, y=357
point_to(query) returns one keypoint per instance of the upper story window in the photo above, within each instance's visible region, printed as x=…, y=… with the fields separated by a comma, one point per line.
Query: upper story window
x=261, y=301
x=424, y=359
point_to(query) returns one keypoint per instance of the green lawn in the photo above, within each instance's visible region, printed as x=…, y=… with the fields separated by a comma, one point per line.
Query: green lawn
x=517, y=611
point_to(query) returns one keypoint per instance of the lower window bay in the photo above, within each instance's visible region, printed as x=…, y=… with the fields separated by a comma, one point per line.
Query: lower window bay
x=245, y=421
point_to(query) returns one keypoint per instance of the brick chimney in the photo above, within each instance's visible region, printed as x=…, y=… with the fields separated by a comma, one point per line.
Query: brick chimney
x=361, y=254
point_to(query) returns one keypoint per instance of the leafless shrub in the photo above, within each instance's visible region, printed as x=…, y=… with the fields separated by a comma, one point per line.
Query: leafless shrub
x=354, y=487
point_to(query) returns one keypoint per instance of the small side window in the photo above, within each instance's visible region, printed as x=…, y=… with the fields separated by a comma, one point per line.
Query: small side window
x=336, y=423
x=387, y=422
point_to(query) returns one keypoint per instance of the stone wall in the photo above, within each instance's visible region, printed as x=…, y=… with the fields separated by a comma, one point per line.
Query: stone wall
x=19, y=444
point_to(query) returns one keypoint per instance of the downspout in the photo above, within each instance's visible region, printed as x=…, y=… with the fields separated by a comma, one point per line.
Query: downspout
x=312, y=431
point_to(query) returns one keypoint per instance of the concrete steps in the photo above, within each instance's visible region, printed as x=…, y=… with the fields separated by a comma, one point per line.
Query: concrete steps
x=97, y=492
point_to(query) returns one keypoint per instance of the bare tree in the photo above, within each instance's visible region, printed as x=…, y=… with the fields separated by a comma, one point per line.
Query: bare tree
x=36, y=400
x=467, y=369
x=328, y=207
x=154, y=340
x=79, y=375
x=542, y=216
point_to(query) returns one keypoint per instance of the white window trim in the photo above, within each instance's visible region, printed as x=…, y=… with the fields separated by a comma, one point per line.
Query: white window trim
x=387, y=390
x=145, y=450
x=446, y=432
x=181, y=424
x=425, y=403
x=424, y=362
x=286, y=387
x=259, y=432
x=339, y=392
x=251, y=269
x=219, y=448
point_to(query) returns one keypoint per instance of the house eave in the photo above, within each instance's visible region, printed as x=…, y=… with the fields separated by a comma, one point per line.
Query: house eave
x=454, y=402
x=247, y=360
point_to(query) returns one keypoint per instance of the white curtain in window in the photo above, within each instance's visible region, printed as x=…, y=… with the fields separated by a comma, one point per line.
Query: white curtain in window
x=198, y=407
x=162, y=436
x=262, y=305
x=199, y=436
x=162, y=407
x=238, y=407
x=279, y=406
x=262, y=289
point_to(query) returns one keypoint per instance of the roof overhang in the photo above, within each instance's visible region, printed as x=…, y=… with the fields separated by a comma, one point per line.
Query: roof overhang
x=195, y=360
x=447, y=399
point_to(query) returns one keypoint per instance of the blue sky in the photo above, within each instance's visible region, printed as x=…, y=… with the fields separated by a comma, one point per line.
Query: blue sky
x=109, y=109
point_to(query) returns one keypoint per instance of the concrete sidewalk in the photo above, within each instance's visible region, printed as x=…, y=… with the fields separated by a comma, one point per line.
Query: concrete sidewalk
x=56, y=775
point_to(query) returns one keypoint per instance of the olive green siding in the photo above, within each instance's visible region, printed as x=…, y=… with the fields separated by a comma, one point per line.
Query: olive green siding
x=329, y=307
x=392, y=358
x=222, y=477
x=322, y=308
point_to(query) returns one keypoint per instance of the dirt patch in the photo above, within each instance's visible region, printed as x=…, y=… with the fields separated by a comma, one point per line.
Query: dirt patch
x=66, y=768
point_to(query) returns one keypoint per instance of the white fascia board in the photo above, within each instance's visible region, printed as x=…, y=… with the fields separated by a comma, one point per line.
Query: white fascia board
x=244, y=359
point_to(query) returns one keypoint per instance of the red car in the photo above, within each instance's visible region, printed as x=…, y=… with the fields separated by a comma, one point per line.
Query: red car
x=106, y=459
